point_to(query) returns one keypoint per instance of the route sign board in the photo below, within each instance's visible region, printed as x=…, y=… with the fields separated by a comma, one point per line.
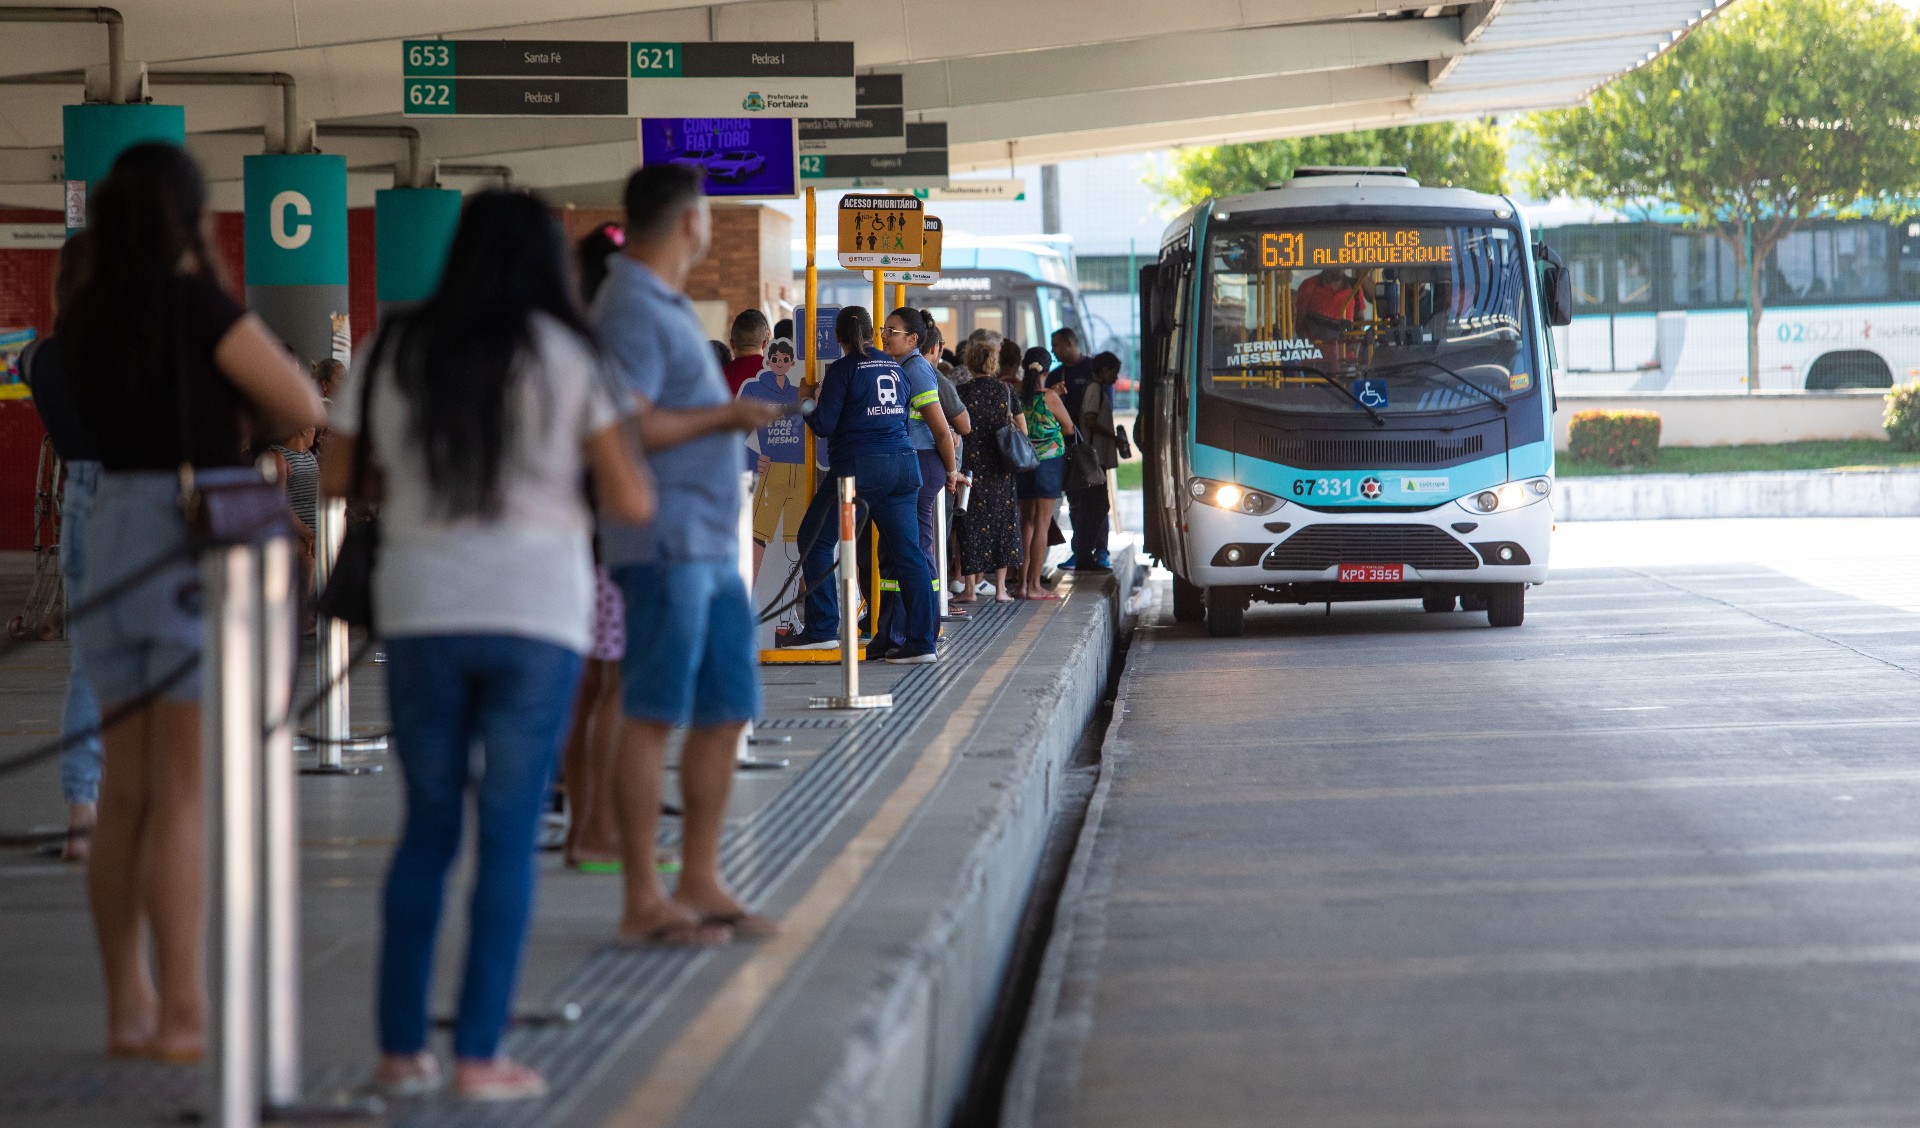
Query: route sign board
x=923, y=165
x=879, y=123
x=587, y=78
x=928, y=272
x=881, y=231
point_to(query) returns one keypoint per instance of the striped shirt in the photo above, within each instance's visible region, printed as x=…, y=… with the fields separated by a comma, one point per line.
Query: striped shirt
x=303, y=483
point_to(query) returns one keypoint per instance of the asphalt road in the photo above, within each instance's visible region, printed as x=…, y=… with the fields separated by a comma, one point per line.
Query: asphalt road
x=1651, y=859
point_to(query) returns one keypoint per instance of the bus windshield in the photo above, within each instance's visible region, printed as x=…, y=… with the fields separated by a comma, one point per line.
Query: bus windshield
x=1383, y=317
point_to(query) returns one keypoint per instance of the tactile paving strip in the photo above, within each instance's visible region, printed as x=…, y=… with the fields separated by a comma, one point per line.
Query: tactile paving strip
x=802, y=723
x=621, y=990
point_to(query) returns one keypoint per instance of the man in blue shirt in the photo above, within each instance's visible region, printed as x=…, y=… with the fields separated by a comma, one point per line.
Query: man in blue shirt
x=777, y=455
x=691, y=656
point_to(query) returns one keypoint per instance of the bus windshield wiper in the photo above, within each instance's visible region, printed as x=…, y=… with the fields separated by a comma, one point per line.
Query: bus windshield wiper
x=1327, y=378
x=1477, y=389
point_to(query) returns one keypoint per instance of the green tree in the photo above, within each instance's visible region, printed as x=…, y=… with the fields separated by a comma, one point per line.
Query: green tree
x=1772, y=113
x=1470, y=154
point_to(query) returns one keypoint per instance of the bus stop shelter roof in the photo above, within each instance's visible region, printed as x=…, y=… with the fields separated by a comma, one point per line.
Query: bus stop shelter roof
x=1017, y=82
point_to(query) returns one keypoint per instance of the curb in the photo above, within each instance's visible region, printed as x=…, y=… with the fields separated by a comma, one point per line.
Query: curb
x=1891, y=492
x=908, y=1059
x=1045, y=1077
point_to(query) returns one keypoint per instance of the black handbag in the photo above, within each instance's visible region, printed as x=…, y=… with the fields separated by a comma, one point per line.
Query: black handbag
x=1017, y=455
x=1083, y=466
x=348, y=596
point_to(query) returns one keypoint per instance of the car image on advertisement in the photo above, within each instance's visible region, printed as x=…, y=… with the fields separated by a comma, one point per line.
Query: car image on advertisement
x=735, y=166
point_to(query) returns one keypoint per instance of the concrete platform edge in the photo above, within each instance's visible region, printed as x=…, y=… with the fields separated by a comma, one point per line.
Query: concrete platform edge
x=910, y=1055
x=1046, y=1066
x=1893, y=492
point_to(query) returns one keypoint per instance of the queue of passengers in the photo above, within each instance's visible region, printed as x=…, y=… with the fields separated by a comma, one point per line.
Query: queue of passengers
x=510, y=600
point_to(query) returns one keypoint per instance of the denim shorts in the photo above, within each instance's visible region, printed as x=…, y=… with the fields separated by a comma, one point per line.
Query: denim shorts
x=1045, y=482
x=691, y=657
x=152, y=630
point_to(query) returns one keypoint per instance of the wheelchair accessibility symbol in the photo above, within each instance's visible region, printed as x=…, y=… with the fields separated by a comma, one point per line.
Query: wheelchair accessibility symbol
x=1373, y=393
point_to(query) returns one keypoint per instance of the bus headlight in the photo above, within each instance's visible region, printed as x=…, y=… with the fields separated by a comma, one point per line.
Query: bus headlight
x=1235, y=499
x=1512, y=495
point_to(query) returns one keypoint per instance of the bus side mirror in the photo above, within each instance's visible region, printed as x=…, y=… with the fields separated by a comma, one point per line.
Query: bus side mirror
x=1556, y=285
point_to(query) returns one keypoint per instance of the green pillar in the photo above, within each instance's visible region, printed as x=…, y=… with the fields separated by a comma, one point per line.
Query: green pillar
x=95, y=134
x=296, y=228
x=412, y=229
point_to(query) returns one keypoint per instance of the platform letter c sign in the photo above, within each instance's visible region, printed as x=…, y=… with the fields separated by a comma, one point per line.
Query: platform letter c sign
x=289, y=236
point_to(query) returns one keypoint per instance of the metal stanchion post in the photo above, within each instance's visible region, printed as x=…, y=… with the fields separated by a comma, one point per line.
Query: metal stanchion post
x=274, y=653
x=230, y=746
x=333, y=736
x=850, y=697
x=940, y=550
x=743, y=760
x=281, y=834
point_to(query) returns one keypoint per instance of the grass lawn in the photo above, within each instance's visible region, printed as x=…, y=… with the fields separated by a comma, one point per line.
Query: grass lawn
x=1710, y=460
x=1733, y=459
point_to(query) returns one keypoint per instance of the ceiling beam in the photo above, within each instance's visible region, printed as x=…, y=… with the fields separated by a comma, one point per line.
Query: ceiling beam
x=1176, y=60
x=991, y=156
x=1081, y=113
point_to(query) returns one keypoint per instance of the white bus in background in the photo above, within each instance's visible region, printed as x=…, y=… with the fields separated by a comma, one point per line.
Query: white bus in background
x=1659, y=307
x=1021, y=288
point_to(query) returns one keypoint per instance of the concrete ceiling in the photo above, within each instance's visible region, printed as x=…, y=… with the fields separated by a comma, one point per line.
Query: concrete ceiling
x=1018, y=81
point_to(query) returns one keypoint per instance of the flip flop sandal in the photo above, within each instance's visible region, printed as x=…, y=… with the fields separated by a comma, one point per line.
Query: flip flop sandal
x=679, y=934
x=745, y=925
x=599, y=867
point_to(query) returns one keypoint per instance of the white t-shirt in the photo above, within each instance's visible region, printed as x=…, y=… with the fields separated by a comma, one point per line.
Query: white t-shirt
x=527, y=571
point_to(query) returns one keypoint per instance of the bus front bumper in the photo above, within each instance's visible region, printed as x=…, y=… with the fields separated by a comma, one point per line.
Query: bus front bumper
x=1442, y=548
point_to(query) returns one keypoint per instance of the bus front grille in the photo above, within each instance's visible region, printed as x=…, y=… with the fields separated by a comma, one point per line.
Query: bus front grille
x=1318, y=547
x=1313, y=453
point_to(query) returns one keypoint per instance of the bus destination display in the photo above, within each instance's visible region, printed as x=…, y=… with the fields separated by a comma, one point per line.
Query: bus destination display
x=1318, y=248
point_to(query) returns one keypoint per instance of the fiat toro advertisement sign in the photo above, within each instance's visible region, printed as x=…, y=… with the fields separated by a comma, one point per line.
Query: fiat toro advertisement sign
x=742, y=157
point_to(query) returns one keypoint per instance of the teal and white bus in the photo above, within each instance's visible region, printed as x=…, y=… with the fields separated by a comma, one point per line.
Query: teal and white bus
x=1348, y=395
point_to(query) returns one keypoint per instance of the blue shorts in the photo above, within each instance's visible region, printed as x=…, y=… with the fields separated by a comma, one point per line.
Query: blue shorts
x=151, y=631
x=1045, y=482
x=691, y=657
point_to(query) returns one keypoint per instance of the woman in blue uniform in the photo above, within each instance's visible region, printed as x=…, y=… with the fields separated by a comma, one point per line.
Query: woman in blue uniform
x=861, y=411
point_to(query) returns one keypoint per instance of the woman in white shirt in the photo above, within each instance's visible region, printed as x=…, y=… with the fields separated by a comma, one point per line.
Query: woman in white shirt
x=487, y=405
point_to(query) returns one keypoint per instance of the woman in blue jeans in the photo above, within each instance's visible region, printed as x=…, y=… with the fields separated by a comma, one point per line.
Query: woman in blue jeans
x=480, y=412
x=861, y=408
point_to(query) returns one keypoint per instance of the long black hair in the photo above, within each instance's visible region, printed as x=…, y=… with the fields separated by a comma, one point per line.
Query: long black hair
x=455, y=357
x=853, y=328
x=122, y=324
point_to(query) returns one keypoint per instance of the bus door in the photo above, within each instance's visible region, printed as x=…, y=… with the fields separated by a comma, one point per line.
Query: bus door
x=989, y=314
